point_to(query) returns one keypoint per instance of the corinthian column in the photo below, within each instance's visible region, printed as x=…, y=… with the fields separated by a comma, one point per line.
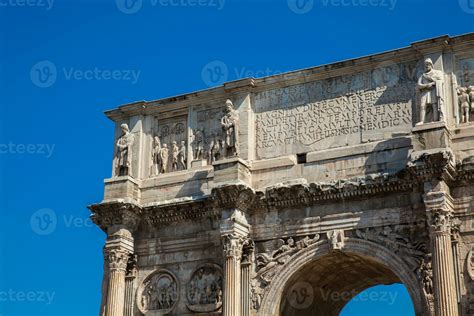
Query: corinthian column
x=117, y=260
x=233, y=254
x=444, y=283
x=130, y=276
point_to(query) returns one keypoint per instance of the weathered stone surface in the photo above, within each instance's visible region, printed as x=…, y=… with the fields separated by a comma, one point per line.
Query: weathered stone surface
x=291, y=194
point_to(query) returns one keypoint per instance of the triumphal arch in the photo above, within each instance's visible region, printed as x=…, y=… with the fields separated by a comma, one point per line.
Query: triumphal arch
x=291, y=194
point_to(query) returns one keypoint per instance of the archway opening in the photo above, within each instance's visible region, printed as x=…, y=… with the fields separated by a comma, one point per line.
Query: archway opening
x=324, y=286
x=389, y=300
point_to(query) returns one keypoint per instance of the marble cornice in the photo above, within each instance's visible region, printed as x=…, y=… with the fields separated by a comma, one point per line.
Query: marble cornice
x=433, y=164
x=118, y=213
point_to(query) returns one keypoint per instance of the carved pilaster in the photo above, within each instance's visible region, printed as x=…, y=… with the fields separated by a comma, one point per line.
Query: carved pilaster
x=246, y=268
x=130, y=275
x=439, y=208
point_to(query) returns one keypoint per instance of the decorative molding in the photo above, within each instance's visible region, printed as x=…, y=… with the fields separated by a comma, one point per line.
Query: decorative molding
x=119, y=213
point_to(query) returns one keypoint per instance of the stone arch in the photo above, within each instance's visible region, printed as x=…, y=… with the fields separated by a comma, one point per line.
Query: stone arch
x=352, y=246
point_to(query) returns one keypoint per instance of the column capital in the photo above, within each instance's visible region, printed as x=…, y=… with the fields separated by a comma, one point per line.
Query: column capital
x=233, y=245
x=248, y=249
x=117, y=259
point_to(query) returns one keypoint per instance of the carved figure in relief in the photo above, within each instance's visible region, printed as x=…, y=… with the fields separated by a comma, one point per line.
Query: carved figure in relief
x=431, y=87
x=463, y=99
x=198, y=143
x=336, y=239
x=214, y=151
x=160, y=293
x=174, y=156
x=164, y=157
x=425, y=275
x=470, y=91
x=290, y=243
x=230, y=123
x=182, y=155
x=155, y=156
x=205, y=290
x=123, y=154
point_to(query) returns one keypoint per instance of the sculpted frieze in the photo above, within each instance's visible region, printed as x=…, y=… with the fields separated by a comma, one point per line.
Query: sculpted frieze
x=158, y=293
x=169, y=146
x=409, y=241
x=204, y=290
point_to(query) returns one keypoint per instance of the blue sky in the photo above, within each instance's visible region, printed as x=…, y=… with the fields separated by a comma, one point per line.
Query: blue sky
x=63, y=62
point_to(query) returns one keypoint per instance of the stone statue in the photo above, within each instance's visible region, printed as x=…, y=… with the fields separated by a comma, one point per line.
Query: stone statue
x=123, y=154
x=164, y=156
x=174, y=156
x=182, y=155
x=198, y=144
x=431, y=87
x=463, y=99
x=230, y=123
x=155, y=156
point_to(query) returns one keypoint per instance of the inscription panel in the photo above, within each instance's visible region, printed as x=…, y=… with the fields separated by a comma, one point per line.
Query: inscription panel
x=335, y=112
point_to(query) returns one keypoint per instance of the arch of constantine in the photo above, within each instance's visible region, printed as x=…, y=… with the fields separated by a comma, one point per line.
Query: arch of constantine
x=291, y=194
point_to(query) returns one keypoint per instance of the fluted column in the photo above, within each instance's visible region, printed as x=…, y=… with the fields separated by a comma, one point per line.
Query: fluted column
x=117, y=259
x=246, y=266
x=440, y=215
x=232, y=292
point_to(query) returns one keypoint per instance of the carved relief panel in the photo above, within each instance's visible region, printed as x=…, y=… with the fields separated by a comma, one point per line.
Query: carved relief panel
x=169, y=146
x=204, y=290
x=158, y=293
x=465, y=89
x=215, y=133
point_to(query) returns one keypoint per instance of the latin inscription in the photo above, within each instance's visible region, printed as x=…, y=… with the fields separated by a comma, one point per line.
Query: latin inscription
x=331, y=113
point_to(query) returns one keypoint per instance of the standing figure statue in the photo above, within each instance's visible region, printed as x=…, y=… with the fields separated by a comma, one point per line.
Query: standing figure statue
x=230, y=123
x=214, y=151
x=182, y=155
x=431, y=87
x=155, y=156
x=164, y=155
x=198, y=143
x=174, y=156
x=470, y=91
x=463, y=99
x=123, y=153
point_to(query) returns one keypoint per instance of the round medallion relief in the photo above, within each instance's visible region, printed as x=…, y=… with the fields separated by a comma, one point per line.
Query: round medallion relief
x=204, y=290
x=158, y=293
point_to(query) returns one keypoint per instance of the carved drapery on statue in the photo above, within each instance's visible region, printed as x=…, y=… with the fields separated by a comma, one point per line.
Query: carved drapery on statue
x=123, y=153
x=230, y=126
x=431, y=88
x=205, y=289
